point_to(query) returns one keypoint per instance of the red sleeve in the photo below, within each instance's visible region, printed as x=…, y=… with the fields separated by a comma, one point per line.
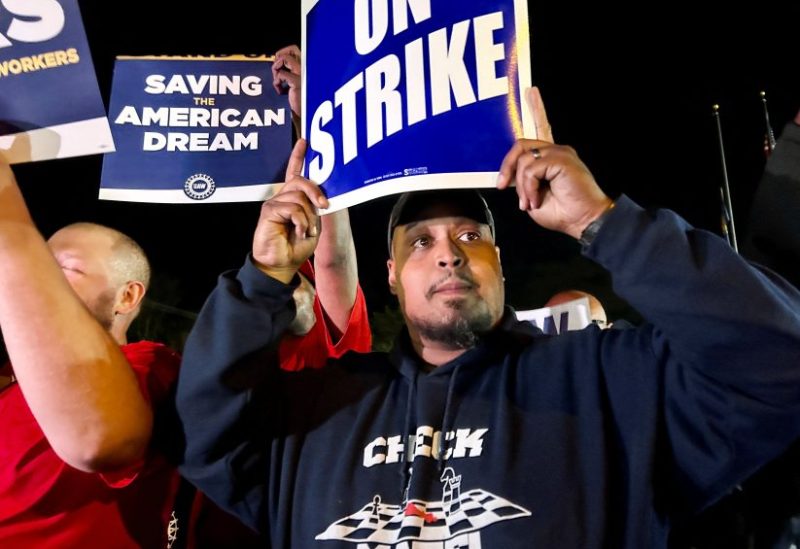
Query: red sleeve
x=156, y=369
x=357, y=335
x=315, y=348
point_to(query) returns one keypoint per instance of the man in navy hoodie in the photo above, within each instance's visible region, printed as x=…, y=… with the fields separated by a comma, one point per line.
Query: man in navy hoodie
x=474, y=431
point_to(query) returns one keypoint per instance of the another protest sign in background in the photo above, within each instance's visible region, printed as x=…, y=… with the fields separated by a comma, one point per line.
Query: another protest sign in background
x=50, y=104
x=556, y=319
x=196, y=129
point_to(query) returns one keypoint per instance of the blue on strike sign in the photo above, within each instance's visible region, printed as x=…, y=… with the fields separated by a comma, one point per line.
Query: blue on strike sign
x=406, y=95
x=196, y=129
x=50, y=104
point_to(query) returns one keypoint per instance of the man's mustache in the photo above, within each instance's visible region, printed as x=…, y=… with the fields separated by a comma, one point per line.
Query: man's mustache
x=462, y=277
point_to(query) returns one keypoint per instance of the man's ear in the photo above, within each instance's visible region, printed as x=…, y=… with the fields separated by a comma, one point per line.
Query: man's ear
x=390, y=264
x=129, y=297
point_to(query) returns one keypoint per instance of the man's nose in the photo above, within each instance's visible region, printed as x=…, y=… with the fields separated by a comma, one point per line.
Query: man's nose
x=450, y=255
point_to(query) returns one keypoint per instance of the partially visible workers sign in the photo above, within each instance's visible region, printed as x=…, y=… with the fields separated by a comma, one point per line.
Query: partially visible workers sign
x=50, y=105
x=196, y=129
x=557, y=319
x=406, y=95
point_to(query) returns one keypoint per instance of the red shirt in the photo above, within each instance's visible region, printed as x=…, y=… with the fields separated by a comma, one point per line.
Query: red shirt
x=46, y=503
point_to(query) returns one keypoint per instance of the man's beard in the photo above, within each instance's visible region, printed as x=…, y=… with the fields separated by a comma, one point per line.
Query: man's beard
x=462, y=330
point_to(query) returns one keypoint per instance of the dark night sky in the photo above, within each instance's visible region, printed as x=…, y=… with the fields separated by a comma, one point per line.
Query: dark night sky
x=630, y=88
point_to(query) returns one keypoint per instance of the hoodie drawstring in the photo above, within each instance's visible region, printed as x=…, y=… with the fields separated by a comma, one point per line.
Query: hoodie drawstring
x=405, y=476
x=447, y=417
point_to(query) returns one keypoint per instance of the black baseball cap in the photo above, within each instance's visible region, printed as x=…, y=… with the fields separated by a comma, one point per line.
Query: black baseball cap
x=419, y=205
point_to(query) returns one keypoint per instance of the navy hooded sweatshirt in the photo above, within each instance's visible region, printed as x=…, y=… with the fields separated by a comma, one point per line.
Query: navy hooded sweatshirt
x=591, y=439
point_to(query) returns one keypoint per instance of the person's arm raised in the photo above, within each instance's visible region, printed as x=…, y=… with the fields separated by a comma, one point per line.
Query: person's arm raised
x=554, y=187
x=76, y=381
x=335, y=265
x=336, y=270
x=229, y=389
x=724, y=333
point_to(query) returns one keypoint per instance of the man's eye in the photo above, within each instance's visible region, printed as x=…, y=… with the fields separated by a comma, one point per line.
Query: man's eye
x=421, y=242
x=469, y=236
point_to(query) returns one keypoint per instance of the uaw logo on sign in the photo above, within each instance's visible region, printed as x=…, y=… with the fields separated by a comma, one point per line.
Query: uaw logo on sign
x=43, y=54
x=199, y=186
x=412, y=94
x=195, y=129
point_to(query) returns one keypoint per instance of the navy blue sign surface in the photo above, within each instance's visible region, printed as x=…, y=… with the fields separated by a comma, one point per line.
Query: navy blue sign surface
x=411, y=94
x=196, y=130
x=50, y=104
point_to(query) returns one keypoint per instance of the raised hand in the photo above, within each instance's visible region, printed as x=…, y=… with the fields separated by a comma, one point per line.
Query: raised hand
x=554, y=187
x=286, y=79
x=288, y=227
